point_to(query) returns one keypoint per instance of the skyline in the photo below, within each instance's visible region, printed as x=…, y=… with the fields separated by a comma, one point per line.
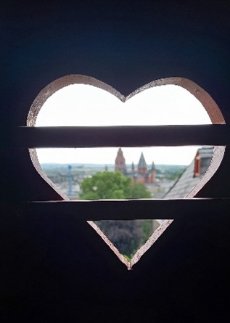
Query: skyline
x=108, y=155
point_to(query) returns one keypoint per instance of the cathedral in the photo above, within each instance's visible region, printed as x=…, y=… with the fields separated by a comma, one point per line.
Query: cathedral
x=140, y=174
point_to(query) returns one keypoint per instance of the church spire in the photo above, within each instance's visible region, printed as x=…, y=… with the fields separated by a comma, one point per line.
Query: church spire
x=120, y=162
x=142, y=166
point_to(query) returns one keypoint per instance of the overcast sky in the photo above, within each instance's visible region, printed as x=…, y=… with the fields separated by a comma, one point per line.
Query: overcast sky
x=86, y=105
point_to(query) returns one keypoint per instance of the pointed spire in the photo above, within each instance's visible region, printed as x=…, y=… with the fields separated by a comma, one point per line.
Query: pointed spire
x=142, y=162
x=120, y=162
x=153, y=167
x=142, y=166
x=133, y=167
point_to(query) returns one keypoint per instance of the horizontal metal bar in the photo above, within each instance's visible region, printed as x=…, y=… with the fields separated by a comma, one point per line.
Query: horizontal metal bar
x=129, y=209
x=124, y=136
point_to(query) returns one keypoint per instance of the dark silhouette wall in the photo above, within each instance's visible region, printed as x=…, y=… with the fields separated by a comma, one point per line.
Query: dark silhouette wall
x=56, y=268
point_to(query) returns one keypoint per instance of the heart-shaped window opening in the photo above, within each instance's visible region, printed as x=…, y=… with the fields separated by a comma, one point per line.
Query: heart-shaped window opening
x=78, y=100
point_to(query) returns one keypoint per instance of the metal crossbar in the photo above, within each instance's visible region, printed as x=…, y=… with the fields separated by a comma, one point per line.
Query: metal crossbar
x=112, y=136
x=129, y=209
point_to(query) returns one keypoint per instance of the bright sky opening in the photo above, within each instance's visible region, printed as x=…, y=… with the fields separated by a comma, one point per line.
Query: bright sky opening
x=86, y=105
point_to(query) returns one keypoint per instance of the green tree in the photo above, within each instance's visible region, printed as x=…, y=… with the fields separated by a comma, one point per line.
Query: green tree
x=138, y=190
x=127, y=236
x=111, y=185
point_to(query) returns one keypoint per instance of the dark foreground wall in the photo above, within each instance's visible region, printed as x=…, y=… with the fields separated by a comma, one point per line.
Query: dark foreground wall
x=54, y=267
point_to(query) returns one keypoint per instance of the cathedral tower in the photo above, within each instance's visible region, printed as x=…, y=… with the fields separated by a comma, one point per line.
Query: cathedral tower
x=120, y=162
x=142, y=166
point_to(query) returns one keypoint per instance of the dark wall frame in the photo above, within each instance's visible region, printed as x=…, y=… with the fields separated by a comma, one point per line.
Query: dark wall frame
x=54, y=267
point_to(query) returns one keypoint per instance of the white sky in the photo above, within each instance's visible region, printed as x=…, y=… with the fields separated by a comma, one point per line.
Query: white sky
x=86, y=105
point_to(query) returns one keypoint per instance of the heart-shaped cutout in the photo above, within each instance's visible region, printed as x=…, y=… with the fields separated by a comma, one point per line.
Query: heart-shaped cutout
x=82, y=101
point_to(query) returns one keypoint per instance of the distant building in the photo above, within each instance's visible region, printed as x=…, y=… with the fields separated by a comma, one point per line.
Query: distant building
x=140, y=174
x=120, y=165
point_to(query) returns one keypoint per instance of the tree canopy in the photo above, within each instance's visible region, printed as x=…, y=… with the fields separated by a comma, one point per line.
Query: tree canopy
x=111, y=185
